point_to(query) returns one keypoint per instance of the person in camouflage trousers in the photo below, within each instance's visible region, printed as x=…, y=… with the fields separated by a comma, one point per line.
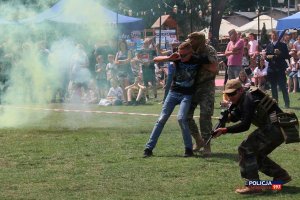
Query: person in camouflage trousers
x=204, y=95
x=254, y=107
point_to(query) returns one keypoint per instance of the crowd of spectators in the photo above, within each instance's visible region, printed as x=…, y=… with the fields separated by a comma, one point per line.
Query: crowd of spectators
x=88, y=78
x=267, y=67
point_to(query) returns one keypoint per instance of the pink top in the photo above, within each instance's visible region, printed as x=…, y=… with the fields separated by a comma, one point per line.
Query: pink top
x=235, y=59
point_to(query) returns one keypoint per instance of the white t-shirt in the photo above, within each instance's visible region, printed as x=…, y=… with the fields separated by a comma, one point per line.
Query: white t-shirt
x=253, y=46
x=115, y=92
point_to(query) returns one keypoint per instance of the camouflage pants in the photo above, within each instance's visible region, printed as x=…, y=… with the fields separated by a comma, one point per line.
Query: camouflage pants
x=205, y=98
x=254, y=150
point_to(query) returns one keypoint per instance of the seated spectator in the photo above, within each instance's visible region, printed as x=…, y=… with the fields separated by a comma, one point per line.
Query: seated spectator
x=114, y=95
x=91, y=95
x=246, y=83
x=260, y=73
x=243, y=78
x=136, y=92
x=293, y=70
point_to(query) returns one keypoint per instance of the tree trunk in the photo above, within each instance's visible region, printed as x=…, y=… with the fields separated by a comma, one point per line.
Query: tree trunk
x=218, y=7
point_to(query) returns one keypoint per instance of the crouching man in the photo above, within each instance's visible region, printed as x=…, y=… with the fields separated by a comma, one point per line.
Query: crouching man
x=255, y=107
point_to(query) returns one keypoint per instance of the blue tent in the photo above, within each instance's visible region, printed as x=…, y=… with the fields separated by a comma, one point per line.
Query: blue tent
x=72, y=11
x=290, y=22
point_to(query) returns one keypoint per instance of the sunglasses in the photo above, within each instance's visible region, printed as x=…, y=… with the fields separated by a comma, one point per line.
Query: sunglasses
x=231, y=94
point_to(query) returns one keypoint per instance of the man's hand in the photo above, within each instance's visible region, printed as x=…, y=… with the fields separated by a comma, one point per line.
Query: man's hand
x=270, y=56
x=220, y=131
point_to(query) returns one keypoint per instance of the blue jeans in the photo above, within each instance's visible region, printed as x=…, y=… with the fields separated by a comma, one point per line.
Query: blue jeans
x=233, y=71
x=173, y=99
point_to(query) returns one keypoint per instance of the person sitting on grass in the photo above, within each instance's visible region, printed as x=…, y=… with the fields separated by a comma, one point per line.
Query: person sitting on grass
x=243, y=78
x=114, y=96
x=135, y=92
x=260, y=73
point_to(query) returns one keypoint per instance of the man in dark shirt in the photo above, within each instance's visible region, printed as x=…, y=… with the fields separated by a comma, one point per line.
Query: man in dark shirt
x=255, y=107
x=181, y=92
x=277, y=52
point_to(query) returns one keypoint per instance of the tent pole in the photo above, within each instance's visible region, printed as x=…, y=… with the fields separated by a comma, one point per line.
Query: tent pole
x=160, y=31
x=117, y=21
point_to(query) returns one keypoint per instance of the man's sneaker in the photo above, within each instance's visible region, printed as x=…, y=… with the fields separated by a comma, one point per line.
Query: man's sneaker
x=284, y=179
x=188, y=152
x=248, y=190
x=147, y=153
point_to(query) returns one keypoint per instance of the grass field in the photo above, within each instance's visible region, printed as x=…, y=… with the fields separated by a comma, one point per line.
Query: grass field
x=86, y=155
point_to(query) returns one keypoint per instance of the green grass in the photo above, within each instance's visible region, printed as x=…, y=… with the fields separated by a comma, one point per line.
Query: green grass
x=74, y=155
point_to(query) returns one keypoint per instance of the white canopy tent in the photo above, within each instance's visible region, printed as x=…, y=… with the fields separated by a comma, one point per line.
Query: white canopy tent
x=252, y=26
x=225, y=27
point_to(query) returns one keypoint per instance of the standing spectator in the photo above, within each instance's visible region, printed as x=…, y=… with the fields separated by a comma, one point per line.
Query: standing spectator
x=246, y=62
x=253, y=46
x=234, y=53
x=287, y=40
x=122, y=60
x=181, y=93
x=204, y=92
x=146, y=56
x=296, y=44
x=293, y=71
x=276, y=53
x=246, y=42
x=111, y=69
x=100, y=70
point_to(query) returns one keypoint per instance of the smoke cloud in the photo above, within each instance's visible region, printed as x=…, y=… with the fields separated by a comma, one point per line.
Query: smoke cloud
x=36, y=57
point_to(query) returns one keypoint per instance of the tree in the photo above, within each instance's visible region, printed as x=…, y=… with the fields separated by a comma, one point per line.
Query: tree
x=218, y=7
x=264, y=36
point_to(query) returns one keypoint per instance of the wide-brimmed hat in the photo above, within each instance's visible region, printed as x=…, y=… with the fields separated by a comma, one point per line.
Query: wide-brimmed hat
x=232, y=85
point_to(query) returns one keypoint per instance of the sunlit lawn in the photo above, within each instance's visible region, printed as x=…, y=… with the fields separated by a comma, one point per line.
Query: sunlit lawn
x=84, y=155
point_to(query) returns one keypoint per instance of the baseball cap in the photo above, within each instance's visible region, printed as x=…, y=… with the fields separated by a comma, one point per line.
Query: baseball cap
x=232, y=85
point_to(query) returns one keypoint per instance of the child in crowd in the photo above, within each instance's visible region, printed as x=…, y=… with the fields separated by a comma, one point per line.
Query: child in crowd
x=260, y=73
x=91, y=96
x=111, y=69
x=245, y=81
x=293, y=70
x=114, y=95
x=136, y=66
x=246, y=62
x=100, y=69
x=136, y=92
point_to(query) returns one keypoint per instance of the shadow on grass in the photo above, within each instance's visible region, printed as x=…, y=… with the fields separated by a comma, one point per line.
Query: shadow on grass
x=228, y=156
